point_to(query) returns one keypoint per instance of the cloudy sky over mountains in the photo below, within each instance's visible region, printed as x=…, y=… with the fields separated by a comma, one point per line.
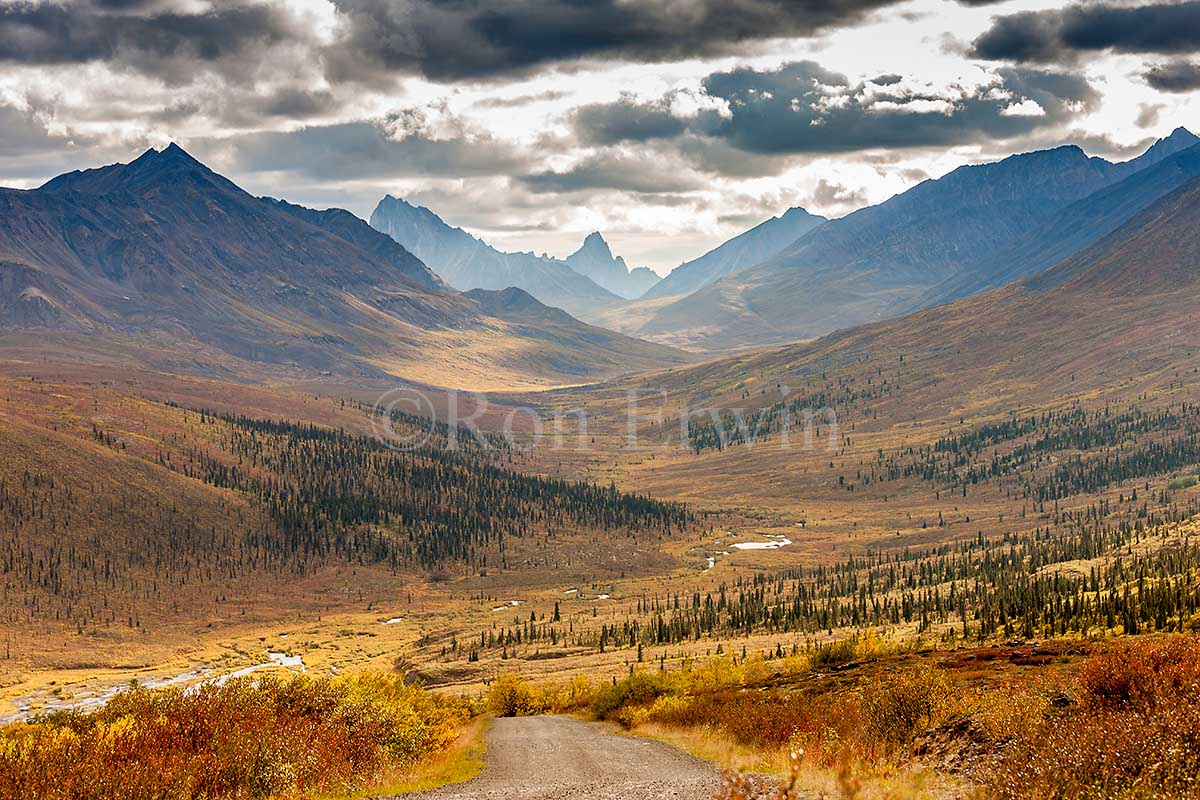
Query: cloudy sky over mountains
x=668, y=124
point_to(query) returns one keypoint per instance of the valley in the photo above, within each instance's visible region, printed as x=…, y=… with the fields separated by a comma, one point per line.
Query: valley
x=224, y=480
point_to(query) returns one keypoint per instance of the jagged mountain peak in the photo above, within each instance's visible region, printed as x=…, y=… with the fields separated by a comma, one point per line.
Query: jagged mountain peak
x=171, y=166
x=1178, y=140
x=594, y=246
x=468, y=262
x=595, y=259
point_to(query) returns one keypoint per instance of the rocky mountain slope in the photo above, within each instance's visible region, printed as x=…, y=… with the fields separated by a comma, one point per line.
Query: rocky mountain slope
x=1118, y=318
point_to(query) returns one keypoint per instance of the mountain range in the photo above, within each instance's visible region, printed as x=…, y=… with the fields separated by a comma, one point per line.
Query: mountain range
x=585, y=283
x=165, y=257
x=976, y=227
x=165, y=254
x=1115, y=319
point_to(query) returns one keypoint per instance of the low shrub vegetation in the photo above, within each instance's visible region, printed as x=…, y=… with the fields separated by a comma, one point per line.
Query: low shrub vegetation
x=898, y=707
x=510, y=696
x=1126, y=723
x=1186, y=482
x=1131, y=730
x=273, y=737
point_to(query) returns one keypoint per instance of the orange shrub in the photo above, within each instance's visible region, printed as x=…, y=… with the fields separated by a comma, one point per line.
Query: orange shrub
x=817, y=724
x=1135, y=732
x=273, y=737
x=1141, y=674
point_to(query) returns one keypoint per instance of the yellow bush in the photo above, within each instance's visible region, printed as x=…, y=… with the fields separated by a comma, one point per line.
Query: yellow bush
x=754, y=670
x=511, y=696
x=666, y=706
x=570, y=696
x=713, y=675
x=630, y=717
x=899, y=706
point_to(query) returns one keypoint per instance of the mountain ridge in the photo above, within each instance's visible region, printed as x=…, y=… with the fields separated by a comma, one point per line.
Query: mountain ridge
x=881, y=260
x=1118, y=316
x=166, y=257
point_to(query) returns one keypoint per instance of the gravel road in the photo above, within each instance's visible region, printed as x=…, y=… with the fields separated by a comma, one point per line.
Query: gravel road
x=561, y=758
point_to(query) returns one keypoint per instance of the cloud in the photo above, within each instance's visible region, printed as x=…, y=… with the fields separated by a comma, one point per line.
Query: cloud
x=1098, y=144
x=362, y=150
x=1175, y=76
x=1148, y=115
x=1061, y=35
x=477, y=39
x=168, y=44
x=626, y=120
x=828, y=194
x=32, y=151
x=804, y=108
x=641, y=175
x=373, y=41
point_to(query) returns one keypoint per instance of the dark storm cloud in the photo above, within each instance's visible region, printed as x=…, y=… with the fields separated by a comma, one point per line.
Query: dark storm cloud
x=296, y=103
x=1176, y=76
x=1062, y=34
x=804, y=108
x=482, y=38
x=444, y=40
x=165, y=43
x=630, y=120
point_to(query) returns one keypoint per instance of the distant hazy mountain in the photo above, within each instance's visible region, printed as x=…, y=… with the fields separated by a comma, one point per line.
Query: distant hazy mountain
x=595, y=260
x=744, y=250
x=165, y=258
x=466, y=262
x=881, y=261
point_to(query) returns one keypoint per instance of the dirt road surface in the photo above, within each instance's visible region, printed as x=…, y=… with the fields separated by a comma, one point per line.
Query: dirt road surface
x=561, y=758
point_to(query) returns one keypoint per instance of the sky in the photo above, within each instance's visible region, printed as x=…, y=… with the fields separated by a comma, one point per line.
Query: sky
x=668, y=125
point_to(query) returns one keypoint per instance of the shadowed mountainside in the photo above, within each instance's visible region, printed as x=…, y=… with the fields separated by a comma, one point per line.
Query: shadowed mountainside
x=1120, y=316
x=883, y=260
x=166, y=255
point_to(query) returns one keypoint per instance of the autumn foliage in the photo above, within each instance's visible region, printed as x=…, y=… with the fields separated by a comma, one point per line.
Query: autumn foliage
x=292, y=737
x=1132, y=730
